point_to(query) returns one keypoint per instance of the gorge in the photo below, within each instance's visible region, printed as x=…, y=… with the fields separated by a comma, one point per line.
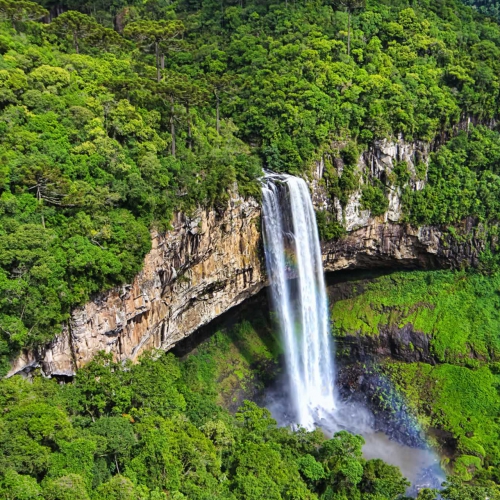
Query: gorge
x=249, y=250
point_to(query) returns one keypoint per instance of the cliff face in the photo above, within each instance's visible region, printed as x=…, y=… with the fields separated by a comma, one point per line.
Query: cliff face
x=212, y=261
x=205, y=265
x=384, y=244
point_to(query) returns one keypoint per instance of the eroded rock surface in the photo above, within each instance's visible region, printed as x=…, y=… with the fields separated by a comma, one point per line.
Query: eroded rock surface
x=384, y=244
x=205, y=265
x=213, y=261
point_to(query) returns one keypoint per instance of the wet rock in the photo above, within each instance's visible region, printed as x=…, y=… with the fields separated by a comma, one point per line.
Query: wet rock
x=363, y=383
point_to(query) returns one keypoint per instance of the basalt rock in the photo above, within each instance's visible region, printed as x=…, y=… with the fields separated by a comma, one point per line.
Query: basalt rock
x=401, y=343
x=365, y=384
x=383, y=244
x=212, y=261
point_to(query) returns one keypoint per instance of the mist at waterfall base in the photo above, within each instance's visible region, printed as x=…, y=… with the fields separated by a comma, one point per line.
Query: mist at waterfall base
x=306, y=395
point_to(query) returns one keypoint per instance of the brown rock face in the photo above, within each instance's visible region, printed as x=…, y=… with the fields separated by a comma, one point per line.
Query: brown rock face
x=382, y=244
x=211, y=262
x=205, y=265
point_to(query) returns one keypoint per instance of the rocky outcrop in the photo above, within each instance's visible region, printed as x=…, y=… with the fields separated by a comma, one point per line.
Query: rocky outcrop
x=211, y=261
x=205, y=265
x=403, y=343
x=379, y=164
x=383, y=244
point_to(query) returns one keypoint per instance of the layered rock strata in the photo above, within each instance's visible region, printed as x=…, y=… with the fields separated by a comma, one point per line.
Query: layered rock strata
x=205, y=265
x=212, y=261
x=383, y=244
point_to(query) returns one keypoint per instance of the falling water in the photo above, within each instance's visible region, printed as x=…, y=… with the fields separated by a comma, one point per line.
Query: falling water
x=294, y=265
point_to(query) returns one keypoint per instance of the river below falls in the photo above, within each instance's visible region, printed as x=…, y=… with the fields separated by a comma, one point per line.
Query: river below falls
x=413, y=462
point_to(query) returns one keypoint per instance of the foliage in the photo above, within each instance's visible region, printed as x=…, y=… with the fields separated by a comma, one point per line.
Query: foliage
x=471, y=418
x=328, y=227
x=121, y=432
x=116, y=114
x=85, y=171
x=459, y=312
x=463, y=180
x=374, y=199
x=457, y=398
x=486, y=7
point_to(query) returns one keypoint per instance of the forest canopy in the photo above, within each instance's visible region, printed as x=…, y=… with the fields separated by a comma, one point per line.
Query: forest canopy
x=115, y=114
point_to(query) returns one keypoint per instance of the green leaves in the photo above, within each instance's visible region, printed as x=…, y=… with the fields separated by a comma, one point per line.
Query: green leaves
x=463, y=181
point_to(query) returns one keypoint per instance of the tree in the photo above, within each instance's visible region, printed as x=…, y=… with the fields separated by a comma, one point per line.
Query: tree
x=106, y=39
x=350, y=6
x=47, y=184
x=117, y=488
x=195, y=93
x=454, y=490
x=14, y=486
x=119, y=437
x=77, y=25
x=220, y=84
x=70, y=487
x=162, y=36
x=21, y=11
x=342, y=459
x=173, y=90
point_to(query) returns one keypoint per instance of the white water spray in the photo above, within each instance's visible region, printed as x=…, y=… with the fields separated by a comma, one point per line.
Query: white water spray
x=294, y=266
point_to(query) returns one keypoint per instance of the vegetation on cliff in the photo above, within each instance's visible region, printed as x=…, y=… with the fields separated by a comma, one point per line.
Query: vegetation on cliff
x=117, y=114
x=458, y=311
x=161, y=430
x=111, y=121
x=457, y=398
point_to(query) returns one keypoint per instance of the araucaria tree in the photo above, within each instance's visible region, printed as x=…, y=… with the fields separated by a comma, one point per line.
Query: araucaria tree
x=350, y=6
x=77, y=25
x=21, y=11
x=163, y=36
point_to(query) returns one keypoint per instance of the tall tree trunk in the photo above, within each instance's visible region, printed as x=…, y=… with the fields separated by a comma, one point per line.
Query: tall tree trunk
x=190, y=139
x=172, y=124
x=75, y=41
x=40, y=202
x=349, y=34
x=217, y=122
x=157, y=54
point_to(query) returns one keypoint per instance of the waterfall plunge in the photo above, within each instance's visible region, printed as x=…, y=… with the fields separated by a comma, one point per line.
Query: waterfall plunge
x=293, y=251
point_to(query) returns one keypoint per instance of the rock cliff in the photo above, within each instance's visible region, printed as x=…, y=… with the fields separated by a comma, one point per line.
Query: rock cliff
x=212, y=261
x=205, y=265
x=385, y=244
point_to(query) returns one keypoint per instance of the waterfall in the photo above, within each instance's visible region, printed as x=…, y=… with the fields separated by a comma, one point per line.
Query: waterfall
x=295, y=270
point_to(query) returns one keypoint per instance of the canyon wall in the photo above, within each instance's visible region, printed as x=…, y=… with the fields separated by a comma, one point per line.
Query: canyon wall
x=213, y=260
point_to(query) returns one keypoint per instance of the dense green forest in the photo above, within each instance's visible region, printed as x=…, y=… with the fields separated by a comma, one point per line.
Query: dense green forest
x=155, y=431
x=486, y=7
x=116, y=115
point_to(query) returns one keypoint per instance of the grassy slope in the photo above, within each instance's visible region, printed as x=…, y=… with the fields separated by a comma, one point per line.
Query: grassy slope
x=460, y=312
x=238, y=360
x=461, y=401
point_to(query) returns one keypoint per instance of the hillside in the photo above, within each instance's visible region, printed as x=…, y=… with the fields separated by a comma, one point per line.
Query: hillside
x=103, y=136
